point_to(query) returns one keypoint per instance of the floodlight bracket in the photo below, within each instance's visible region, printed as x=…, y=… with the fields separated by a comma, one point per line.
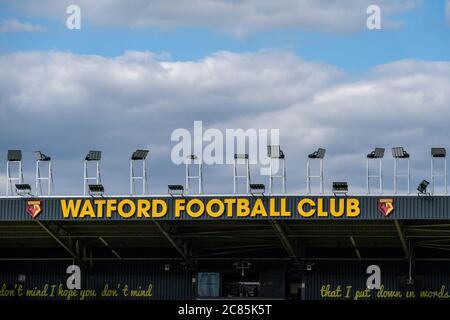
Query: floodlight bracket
x=255, y=187
x=171, y=188
x=336, y=188
x=340, y=193
x=99, y=193
x=23, y=190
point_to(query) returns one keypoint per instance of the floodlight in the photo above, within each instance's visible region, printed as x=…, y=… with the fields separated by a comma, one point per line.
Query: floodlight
x=94, y=156
x=14, y=155
x=400, y=153
x=139, y=155
x=319, y=154
x=23, y=188
x=175, y=189
x=422, y=188
x=377, y=153
x=96, y=189
x=41, y=157
x=275, y=152
x=340, y=188
x=241, y=156
x=257, y=188
x=438, y=152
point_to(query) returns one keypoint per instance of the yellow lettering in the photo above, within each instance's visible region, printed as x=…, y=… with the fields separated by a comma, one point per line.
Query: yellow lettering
x=320, y=209
x=353, y=209
x=159, y=208
x=211, y=212
x=70, y=208
x=242, y=207
x=199, y=212
x=229, y=203
x=301, y=205
x=273, y=208
x=180, y=205
x=258, y=209
x=337, y=212
x=283, y=210
x=111, y=206
x=121, y=210
x=99, y=204
x=143, y=206
x=87, y=210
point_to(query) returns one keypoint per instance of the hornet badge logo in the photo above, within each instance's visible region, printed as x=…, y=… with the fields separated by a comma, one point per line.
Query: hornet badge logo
x=386, y=206
x=34, y=208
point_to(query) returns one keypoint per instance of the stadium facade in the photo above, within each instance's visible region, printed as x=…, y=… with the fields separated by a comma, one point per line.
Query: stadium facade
x=298, y=247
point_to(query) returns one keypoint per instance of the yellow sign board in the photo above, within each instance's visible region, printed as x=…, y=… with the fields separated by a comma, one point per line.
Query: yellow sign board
x=195, y=208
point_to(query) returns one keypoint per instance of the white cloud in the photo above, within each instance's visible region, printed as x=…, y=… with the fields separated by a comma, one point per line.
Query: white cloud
x=14, y=25
x=66, y=104
x=237, y=17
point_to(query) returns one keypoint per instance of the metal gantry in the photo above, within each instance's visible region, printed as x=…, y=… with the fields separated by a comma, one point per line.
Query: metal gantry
x=238, y=159
x=438, y=153
x=42, y=159
x=93, y=157
x=139, y=157
x=276, y=157
x=14, y=157
x=375, y=156
x=193, y=160
x=399, y=154
x=318, y=155
x=277, y=170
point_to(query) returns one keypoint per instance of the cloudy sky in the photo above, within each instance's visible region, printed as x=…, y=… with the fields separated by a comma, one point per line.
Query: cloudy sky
x=137, y=70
